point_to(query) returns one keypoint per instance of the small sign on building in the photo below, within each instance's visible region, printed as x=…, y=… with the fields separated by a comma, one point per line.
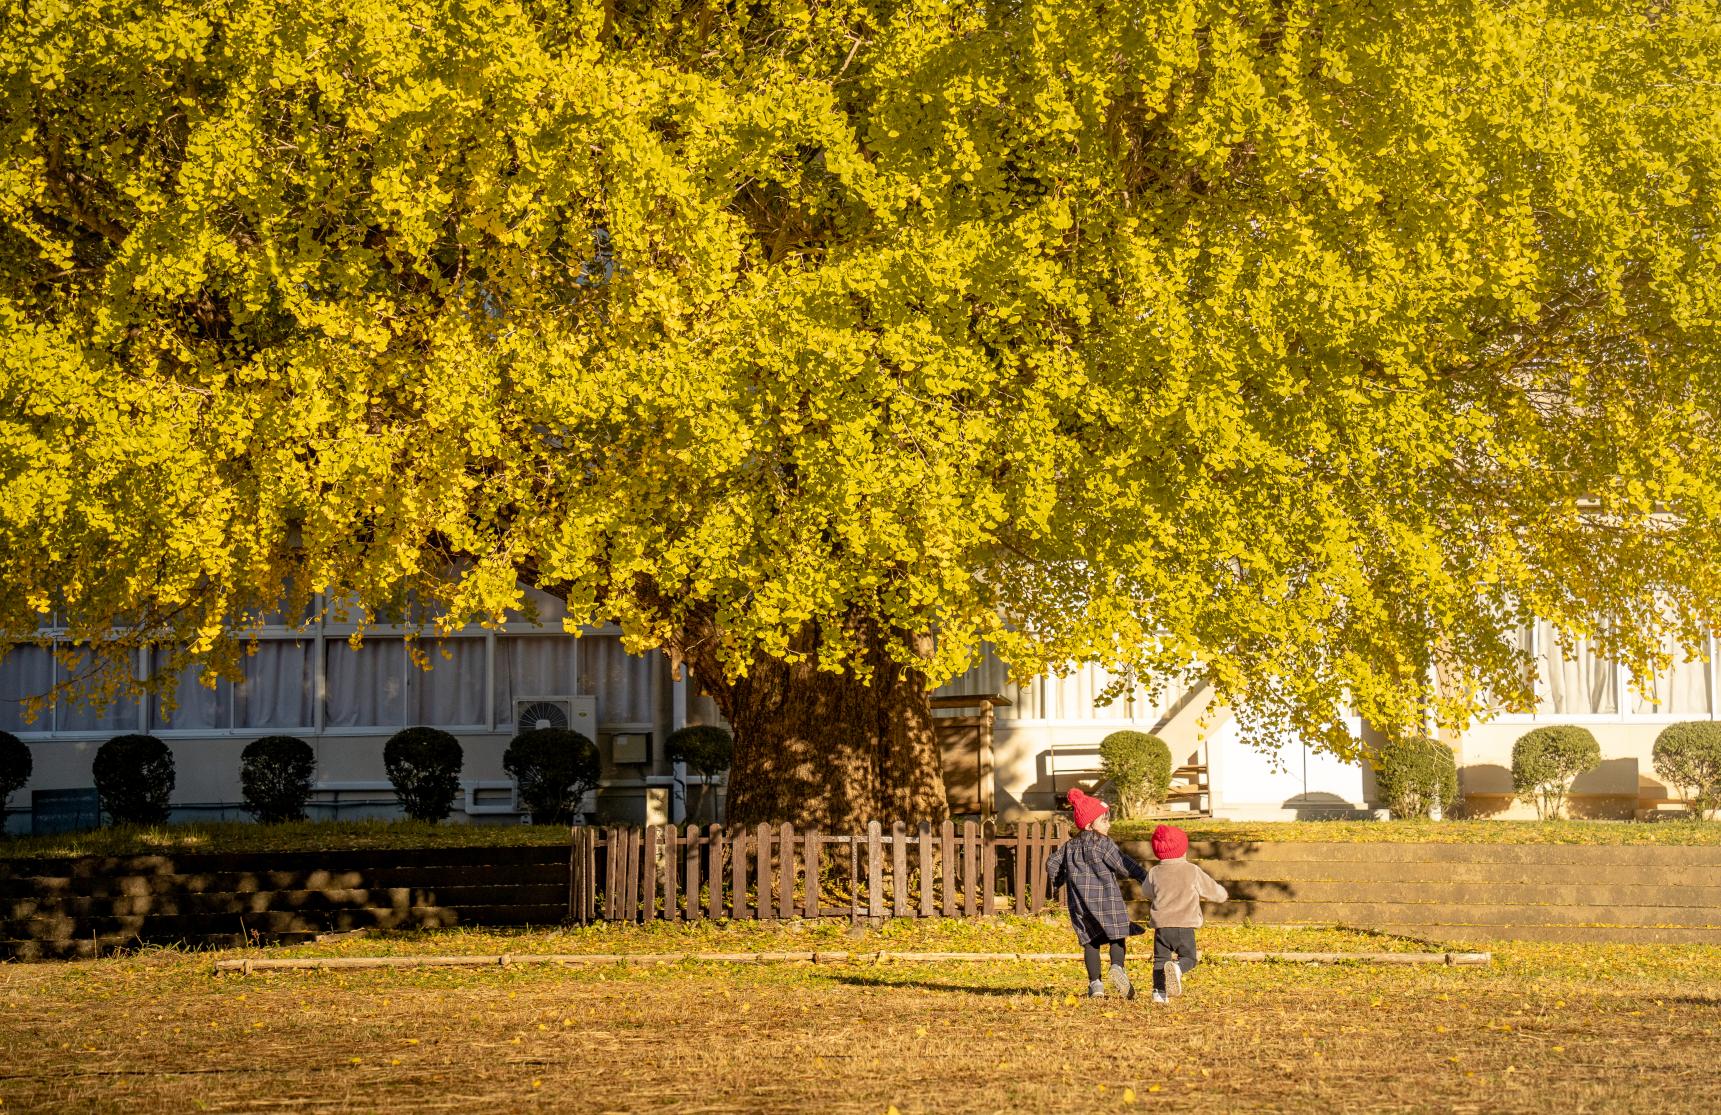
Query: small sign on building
x=53, y=811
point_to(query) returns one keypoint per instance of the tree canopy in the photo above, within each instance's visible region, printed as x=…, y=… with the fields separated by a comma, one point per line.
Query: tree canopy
x=1314, y=343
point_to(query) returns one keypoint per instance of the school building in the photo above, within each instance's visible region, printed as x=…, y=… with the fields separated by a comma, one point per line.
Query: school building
x=1010, y=750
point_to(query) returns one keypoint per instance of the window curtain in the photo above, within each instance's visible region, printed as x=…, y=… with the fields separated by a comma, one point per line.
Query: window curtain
x=1583, y=684
x=73, y=712
x=25, y=672
x=451, y=692
x=196, y=707
x=532, y=666
x=367, y=686
x=620, y=681
x=279, y=689
x=1683, y=688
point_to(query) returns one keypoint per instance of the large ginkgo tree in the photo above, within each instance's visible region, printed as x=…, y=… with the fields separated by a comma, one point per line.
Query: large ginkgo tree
x=1310, y=347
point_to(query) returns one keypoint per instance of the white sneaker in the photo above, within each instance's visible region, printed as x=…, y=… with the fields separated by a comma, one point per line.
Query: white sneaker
x=1159, y=997
x=1120, y=980
x=1173, y=979
x=1097, y=989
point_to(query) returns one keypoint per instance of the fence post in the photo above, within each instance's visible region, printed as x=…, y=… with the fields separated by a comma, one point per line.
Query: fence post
x=615, y=864
x=923, y=832
x=738, y=875
x=764, y=908
x=573, y=873
x=589, y=888
x=651, y=839
x=671, y=873
x=1055, y=840
x=970, y=866
x=690, y=871
x=899, y=869
x=714, y=901
x=635, y=845
x=988, y=868
x=786, y=871
x=947, y=865
x=1036, y=868
x=854, y=878
x=1017, y=875
x=815, y=860
x=874, y=872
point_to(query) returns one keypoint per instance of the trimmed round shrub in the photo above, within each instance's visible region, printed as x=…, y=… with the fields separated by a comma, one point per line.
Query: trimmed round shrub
x=1138, y=765
x=706, y=749
x=134, y=778
x=15, y=765
x=1688, y=755
x=275, y=775
x=1546, y=760
x=554, y=768
x=1414, y=774
x=424, y=766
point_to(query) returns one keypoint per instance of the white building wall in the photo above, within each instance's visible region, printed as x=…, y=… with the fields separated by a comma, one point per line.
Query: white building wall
x=307, y=681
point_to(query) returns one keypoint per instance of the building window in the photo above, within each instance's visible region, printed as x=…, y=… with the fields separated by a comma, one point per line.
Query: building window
x=291, y=676
x=365, y=687
x=622, y=682
x=196, y=707
x=532, y=666
x=452, y=693
x=1584, y=684
x=27, y=671
x=1682, y=689
x=34, y=671
x=280, y=686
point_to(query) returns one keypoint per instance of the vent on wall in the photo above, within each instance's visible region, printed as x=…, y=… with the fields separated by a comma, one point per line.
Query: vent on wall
x=630, y=747
x=578, y=713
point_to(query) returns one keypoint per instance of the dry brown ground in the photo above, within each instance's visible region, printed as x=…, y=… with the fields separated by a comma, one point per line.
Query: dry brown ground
x=1542, y=1029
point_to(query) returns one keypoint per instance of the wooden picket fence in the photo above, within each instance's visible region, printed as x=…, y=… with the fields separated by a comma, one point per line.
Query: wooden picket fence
x=773, y=872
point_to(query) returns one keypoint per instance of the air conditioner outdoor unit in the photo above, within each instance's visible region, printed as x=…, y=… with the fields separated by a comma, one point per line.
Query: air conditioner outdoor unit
x=578, y=713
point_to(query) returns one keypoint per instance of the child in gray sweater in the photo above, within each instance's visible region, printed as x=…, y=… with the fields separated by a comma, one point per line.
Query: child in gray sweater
x=1175, y=889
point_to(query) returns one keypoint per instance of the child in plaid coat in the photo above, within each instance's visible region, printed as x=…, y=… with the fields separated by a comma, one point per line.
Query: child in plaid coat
x=1090, y=864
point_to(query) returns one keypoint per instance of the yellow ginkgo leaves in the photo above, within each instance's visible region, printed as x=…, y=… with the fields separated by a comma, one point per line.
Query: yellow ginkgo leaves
x=1267, y=357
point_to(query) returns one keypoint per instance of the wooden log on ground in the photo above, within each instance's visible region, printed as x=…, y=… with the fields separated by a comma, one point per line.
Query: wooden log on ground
x=247, y=965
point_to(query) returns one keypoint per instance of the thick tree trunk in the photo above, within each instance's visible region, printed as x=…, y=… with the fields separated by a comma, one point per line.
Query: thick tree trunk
x=827, y=750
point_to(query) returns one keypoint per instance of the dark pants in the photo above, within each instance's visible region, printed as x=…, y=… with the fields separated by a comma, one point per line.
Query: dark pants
x=1167, y=943
x=1091, y=957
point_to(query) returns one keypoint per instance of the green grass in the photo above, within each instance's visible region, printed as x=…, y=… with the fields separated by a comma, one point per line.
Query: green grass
x=351, y=835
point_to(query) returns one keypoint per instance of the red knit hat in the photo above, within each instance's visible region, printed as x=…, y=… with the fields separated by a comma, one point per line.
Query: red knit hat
x=1087, y=809
x=1169, y=842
